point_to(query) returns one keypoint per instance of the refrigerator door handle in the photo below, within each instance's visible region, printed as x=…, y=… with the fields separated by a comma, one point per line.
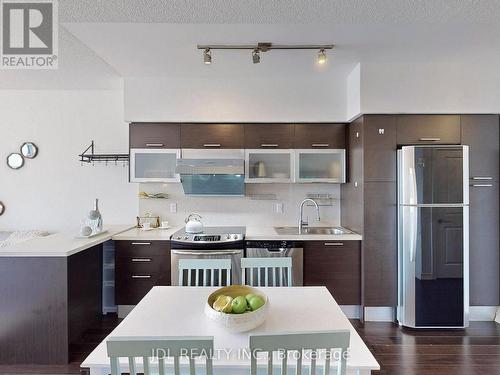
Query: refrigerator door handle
x=413, y=233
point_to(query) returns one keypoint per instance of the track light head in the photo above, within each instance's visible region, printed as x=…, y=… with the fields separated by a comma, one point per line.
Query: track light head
x=321, y=56
x=256, y=56
x=207, y=56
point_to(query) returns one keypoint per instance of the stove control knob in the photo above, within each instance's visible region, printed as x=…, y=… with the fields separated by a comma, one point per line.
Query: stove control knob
x=178, y=237
x=235, y=237
x=186, y=237
x=228, y=236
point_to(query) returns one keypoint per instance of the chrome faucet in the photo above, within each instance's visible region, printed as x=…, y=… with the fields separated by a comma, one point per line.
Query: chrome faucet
x=303, y=223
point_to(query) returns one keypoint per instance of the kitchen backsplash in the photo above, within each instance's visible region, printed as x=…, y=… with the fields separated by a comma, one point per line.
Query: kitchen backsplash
x=246, y=210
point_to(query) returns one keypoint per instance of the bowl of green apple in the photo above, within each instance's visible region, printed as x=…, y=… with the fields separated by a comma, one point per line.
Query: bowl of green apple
x=237, y=308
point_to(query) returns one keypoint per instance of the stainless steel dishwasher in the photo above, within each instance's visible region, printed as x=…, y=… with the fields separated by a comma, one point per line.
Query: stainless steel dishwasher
x=269, y=249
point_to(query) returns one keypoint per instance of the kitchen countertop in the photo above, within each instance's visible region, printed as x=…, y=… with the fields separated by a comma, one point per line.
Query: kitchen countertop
x=63, y=244
x=253, y=233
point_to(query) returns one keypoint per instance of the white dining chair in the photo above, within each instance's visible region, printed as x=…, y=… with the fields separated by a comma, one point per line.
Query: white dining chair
x=277, y=271
x=309, y=346
x=156, y=350
x=212, y=272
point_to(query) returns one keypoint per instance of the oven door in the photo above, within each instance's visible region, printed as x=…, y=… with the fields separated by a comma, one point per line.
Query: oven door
x=234, y=254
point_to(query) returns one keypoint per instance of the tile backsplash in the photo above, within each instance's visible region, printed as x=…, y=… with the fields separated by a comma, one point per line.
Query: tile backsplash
x=254, y=209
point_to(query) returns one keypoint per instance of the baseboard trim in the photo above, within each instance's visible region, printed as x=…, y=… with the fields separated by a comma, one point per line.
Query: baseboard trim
x=351, y=311
x=483, y=313
x=380, y=314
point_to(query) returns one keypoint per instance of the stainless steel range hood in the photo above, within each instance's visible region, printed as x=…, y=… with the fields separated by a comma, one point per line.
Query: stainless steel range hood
x=212, y=172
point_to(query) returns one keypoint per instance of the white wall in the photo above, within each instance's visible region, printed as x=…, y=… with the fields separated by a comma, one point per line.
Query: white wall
x=53, y=191
x=236, y=98
x=243, y=210
x=353, y=95
x=430, y=87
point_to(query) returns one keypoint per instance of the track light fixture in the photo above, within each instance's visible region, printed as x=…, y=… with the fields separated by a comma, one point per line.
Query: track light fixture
x=256, y=56
x=265, y=47
x=207, y=56
x=321, y=56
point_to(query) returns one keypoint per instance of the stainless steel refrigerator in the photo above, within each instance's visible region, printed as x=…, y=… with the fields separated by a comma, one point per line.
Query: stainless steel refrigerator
x=433, y=236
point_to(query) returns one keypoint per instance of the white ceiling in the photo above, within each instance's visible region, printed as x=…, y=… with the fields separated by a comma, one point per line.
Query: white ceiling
x=281, y=11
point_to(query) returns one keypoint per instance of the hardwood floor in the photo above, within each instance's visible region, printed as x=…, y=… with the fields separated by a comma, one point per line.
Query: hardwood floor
x=473, y=351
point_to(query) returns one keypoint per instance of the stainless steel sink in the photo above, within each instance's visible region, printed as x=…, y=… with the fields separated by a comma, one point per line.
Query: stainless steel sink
x=312, y=230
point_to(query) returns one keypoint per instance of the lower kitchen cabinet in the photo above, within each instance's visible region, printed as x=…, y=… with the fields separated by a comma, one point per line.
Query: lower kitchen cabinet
x=336, y=265
x=140, y=265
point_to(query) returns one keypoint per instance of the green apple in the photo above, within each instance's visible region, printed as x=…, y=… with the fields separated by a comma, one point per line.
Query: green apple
x=249, y=296
x=256, y=303
x=239, y=305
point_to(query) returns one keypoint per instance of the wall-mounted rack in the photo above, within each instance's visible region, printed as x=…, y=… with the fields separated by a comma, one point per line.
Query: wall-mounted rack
x=88, y=156
x=322, y=199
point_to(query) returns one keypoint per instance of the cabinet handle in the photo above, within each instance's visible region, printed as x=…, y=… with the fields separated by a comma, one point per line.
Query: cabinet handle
x=141, y=243
x=269, y=145
x=141, y=259
x=320, y=145
x=154, y=144
x=211, y=145
x=430, y=139
x=482, y=185
x=141, y=276
x=482, y=178
x=334, y=244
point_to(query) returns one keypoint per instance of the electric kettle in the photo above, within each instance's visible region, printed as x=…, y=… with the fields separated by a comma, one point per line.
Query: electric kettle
x=194, y=224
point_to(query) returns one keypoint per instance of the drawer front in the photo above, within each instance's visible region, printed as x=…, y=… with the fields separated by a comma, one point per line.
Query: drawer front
x=212, y=136
x=142, y=248
x=142, y=264
x=155, y=135
x=428, y=129
x=336, y=265
x=320, y=136
x=130, y=288
x=269, y=136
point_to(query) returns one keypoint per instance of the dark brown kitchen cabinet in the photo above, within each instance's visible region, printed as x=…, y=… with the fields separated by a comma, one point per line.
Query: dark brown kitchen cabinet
x=428, y=129
x=368, y=204
x=379, y=151
x=212, y=136
x=481, y=134
x=269, y=136
x=320, y=136
x=155, y=135
x=336, y=265
x=139, y=266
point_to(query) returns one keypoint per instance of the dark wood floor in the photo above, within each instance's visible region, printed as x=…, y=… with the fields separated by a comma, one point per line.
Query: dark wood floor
x=473, y=351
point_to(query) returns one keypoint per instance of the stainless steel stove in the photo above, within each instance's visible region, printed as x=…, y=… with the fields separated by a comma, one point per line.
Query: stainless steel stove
x=212, y=243
x=210, y=235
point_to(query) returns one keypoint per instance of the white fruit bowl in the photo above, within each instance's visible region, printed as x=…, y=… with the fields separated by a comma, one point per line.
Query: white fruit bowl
x=237, y=322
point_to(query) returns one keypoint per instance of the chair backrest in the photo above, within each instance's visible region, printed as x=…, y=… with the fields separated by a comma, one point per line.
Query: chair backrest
x=316, y=345
x=160, y=349
x=211, y=271
x=274, y=271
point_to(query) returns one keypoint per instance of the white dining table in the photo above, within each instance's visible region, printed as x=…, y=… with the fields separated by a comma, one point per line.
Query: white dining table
x=179, y=311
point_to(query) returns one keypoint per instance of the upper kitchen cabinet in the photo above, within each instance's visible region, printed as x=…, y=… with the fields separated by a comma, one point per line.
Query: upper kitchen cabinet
x=379, y=151
x=320, y=166
x=154, y=165
x=210, y=136
x=269, y=136
x=269, y=166
x=320, y=136
x=428, y=129
x=155, y=135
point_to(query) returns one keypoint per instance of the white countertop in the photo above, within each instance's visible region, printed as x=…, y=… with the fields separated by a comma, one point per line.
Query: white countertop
x=179, y=311
x=61, y=244
x=252, y=233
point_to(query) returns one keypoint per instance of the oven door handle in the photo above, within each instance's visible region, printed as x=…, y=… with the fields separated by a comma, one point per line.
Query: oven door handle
x=207, y=252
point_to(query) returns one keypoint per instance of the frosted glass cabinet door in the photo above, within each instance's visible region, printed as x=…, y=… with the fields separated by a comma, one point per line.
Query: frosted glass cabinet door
x=268, y=166
x=320, y=165
x=154, y=165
